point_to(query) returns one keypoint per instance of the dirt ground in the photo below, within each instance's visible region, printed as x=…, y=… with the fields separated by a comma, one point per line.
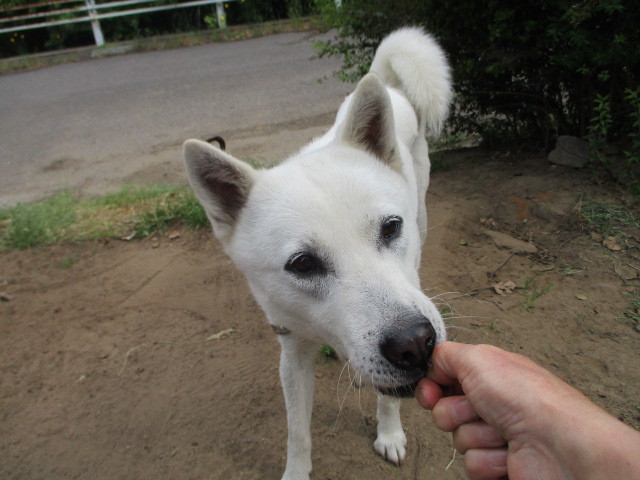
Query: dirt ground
x=149, y=359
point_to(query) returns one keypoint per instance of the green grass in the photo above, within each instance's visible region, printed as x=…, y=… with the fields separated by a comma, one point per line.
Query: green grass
x=328, y=352
x=67, y=263
x=179, y=205
x=129, y=194
x=633, y=312
x=608, y=219
x=132, y=212
x=531, y=294
x=570, y=270
x=42, y=223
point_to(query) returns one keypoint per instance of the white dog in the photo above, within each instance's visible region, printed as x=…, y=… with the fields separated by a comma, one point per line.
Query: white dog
x=330, y=239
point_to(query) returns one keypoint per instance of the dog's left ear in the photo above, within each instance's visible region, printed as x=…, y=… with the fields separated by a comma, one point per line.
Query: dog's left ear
x=369, y=124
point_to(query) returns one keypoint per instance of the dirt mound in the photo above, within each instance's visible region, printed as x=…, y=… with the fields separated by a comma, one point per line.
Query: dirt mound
x=150, y=359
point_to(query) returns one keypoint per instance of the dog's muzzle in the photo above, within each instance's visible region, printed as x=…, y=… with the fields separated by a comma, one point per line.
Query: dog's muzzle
x=409, y=350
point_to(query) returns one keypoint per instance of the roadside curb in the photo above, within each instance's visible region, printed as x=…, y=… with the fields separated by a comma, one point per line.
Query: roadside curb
x=177, y=40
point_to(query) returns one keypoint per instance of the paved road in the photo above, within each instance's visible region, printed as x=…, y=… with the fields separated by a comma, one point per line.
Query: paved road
x=95, y=124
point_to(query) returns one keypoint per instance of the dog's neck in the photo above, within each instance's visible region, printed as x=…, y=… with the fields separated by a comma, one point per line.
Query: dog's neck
x=279, y=330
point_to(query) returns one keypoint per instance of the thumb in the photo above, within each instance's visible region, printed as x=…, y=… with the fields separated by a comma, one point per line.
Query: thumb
x=450, y=363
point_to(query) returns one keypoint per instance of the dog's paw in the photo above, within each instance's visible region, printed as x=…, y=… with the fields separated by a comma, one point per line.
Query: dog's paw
x=297, y=469
x=295, y=475
x=391, y=446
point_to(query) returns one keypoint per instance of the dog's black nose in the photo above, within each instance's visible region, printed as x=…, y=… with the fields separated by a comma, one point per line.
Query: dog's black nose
x=411, y=347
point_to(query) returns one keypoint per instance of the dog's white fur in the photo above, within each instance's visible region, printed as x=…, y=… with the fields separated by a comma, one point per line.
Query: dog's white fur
x=330, y=240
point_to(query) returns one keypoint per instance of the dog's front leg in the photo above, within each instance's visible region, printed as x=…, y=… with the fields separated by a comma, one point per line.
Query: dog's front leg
x=391, y=440
x=297, y=361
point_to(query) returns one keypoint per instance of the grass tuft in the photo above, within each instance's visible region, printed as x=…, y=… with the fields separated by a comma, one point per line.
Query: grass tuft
x=633, y=312
x=608, y=219
x=37, y=224
x=179, y=205
x=133, y=211
x=328, y=352
x=531, y=294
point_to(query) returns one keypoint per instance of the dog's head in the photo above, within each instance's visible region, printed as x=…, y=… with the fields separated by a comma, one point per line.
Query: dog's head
x=329, y=242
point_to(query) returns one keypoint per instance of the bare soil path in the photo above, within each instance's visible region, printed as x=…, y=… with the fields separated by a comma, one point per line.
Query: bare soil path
x=149, y=359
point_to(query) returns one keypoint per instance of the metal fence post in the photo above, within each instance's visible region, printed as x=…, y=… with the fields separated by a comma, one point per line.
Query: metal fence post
x=222, y=18
x=93, y=9
x=95, y=23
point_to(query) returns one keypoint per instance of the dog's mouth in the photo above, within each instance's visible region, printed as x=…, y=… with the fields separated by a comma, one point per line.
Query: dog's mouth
x=402, y=391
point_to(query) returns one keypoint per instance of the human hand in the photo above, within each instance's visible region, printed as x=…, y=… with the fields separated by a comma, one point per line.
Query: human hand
x=509, y=416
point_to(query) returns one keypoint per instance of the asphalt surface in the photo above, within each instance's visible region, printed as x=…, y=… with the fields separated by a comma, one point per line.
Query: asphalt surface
x=93, y=125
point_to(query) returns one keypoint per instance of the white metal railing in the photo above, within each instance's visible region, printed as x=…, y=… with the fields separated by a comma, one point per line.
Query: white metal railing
x=89, y=11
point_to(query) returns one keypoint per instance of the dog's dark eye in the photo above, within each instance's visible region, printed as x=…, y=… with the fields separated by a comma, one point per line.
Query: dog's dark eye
x=304, y=264
x=391, y=228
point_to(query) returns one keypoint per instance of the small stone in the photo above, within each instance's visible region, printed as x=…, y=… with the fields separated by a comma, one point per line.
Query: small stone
x=626, y=273
x=612, y=244
x=502, y=240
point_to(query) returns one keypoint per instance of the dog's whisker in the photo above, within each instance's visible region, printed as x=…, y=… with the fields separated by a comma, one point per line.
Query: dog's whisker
x=362, y=410
x=424, y=230
x=443, y=305
x=441, y=301
x=437, y=225
x=426, y=290
x=346, y=365
x=456, y=327
x=464, y=317
x=342, y=401
x=445, y=293
x=338, y=382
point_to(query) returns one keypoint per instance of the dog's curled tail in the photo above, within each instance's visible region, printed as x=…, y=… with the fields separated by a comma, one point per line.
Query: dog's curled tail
x=410, y=60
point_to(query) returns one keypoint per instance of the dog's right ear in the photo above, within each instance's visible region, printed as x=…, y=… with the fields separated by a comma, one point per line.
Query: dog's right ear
x=221, y=182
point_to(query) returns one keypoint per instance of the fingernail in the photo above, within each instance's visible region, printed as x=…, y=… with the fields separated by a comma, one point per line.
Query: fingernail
x=462, y=412
x=498, y=459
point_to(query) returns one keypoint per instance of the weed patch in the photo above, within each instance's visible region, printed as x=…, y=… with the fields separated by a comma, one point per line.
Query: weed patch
x=181, y=205
x=133, y=211
x=632, y=313
x=531, y=294
x=327, y=352
x=608, y=219
x=40, y=223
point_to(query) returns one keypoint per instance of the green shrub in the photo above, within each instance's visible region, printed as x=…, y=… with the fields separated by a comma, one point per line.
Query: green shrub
x=524, y=72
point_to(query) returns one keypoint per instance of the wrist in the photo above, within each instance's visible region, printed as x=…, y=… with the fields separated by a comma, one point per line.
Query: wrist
x=599, y=447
